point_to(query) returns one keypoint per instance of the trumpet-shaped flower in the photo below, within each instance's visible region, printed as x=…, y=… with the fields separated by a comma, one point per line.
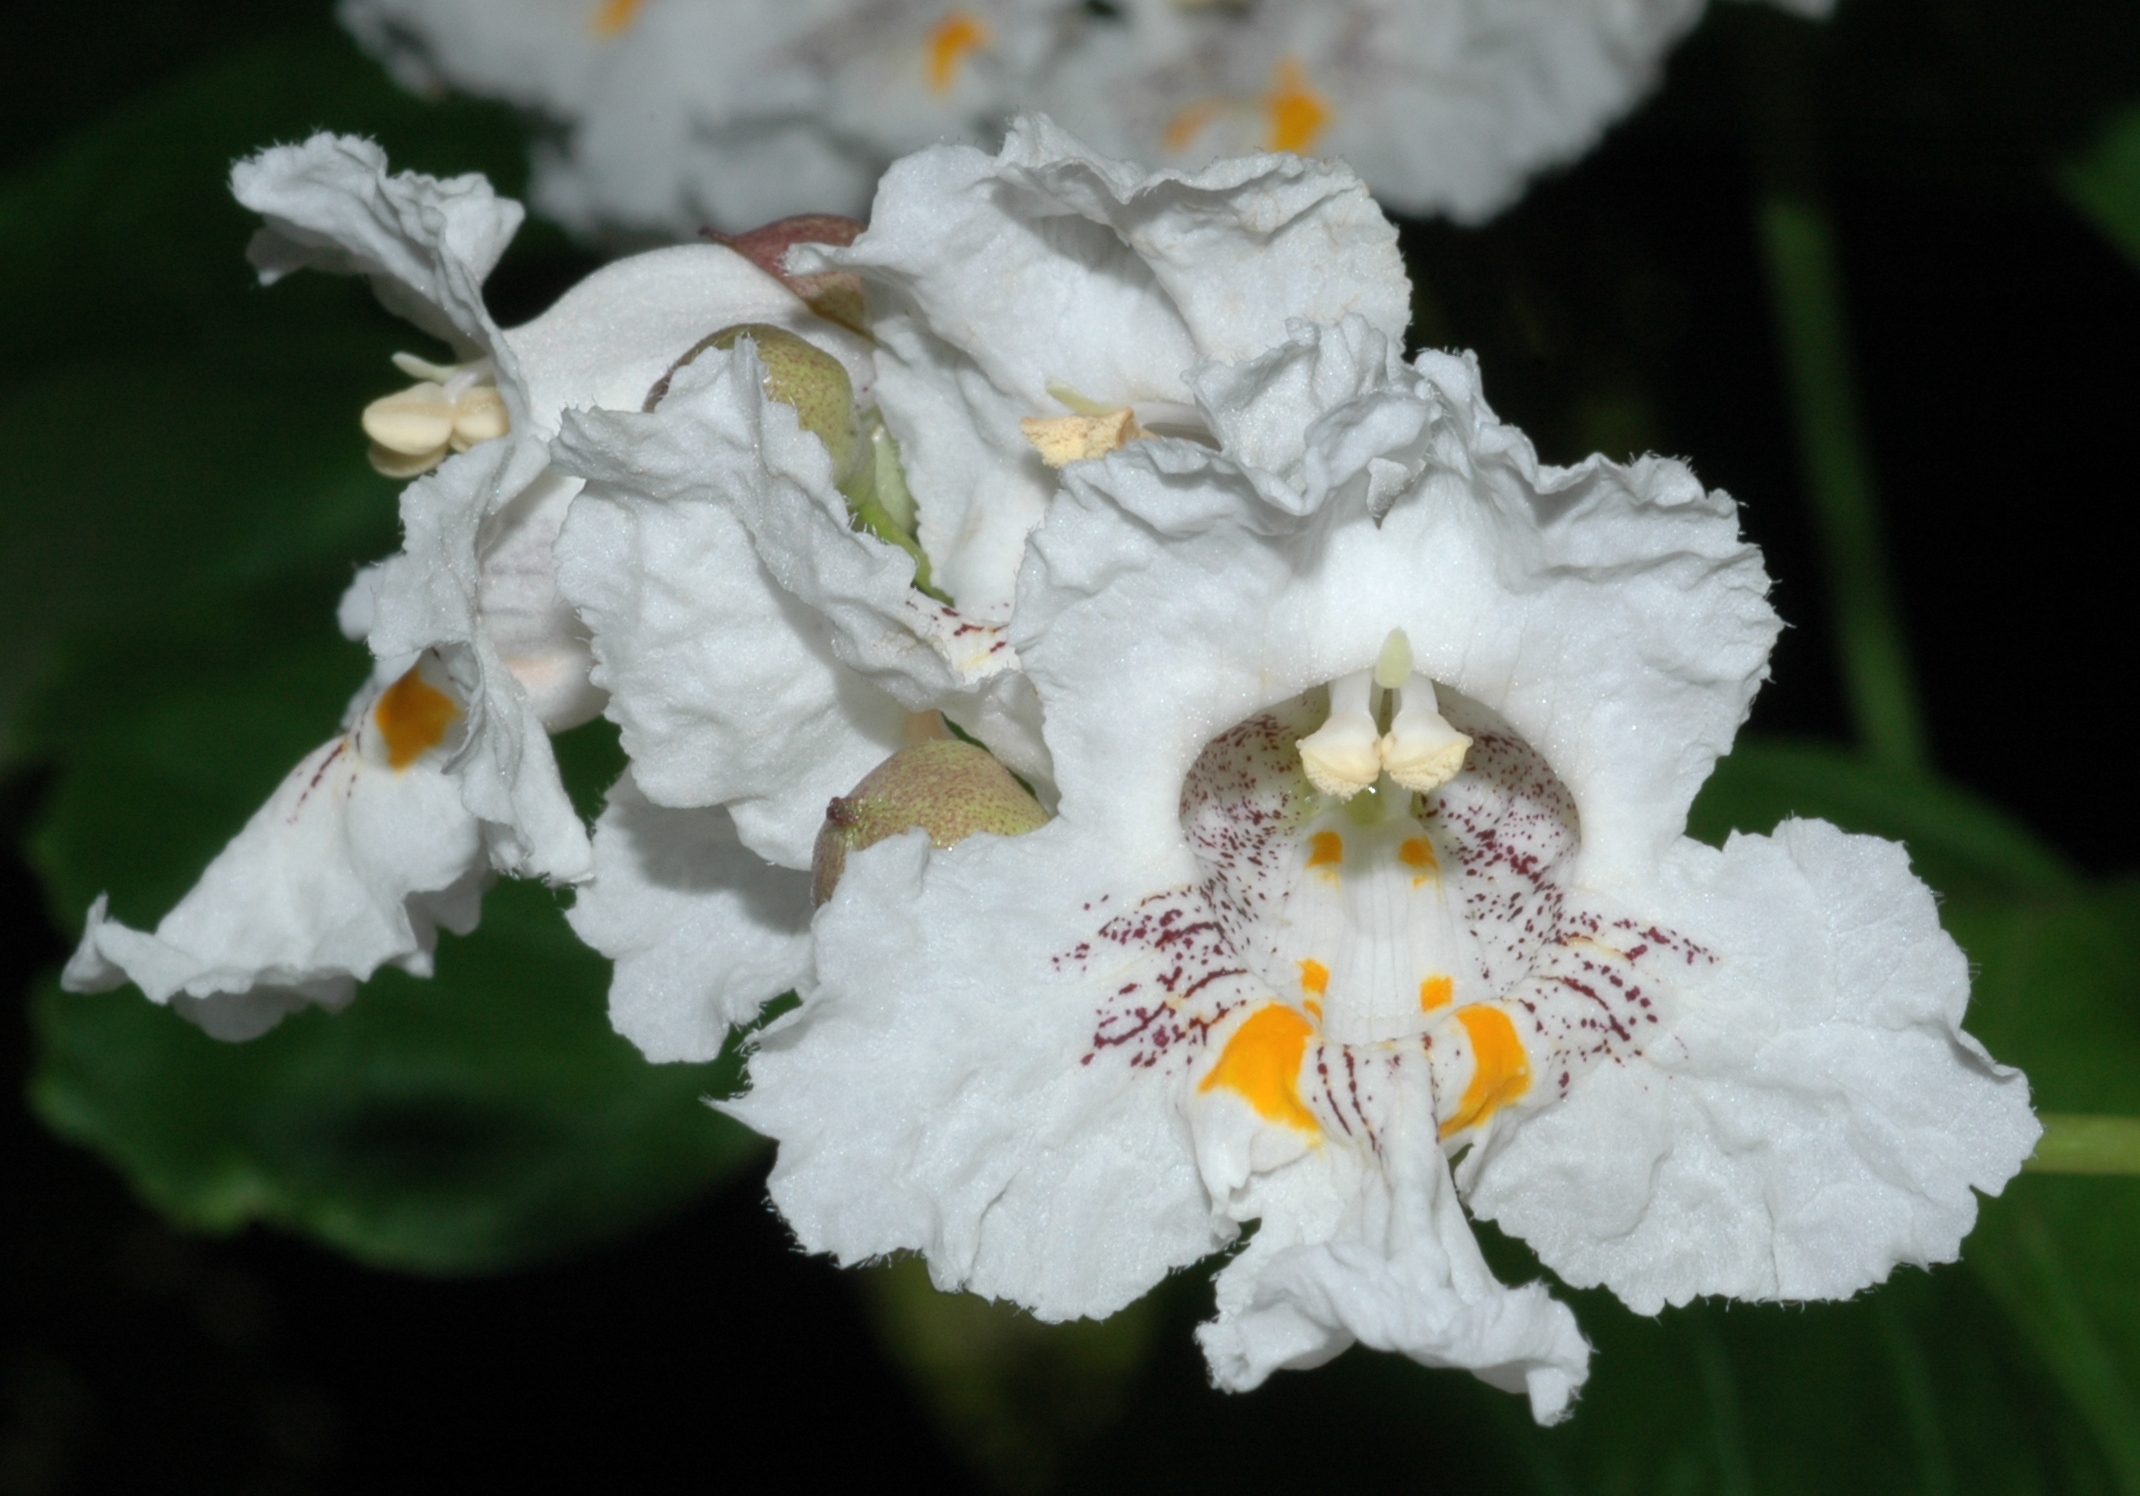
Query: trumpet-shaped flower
x=1368, y=898
x=1442, y=106
x=443, y=771
x=673, y=114
x=761, y=648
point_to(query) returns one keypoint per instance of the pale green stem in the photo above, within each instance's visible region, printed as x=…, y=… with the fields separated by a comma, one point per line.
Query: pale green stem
x=1799, y=247
x=2086, y=1145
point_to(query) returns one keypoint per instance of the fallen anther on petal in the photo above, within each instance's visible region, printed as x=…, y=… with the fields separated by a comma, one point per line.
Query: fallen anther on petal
x=1062, y=440
x=1341, y=756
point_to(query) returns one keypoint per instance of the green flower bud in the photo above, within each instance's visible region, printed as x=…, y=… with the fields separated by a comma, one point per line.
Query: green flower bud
x=801, y=376
x=950, y=789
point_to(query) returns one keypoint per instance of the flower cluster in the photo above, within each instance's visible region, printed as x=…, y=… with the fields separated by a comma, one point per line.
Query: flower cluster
x=1310, y=855
x=671, y=114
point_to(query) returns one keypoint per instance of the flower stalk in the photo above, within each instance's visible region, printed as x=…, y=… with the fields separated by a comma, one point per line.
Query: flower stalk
x=2075, y=1143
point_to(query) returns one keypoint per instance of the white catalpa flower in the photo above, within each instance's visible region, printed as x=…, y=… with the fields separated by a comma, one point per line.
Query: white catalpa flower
x=1368, y=898
x=1442, y=106
x=673, y=115
x=443, y=771
x=753, y=592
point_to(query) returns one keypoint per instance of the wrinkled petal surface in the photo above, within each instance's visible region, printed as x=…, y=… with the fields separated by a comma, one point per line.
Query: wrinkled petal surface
x=702, y=932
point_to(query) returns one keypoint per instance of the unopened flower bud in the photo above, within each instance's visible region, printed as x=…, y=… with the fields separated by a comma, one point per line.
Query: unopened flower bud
x=948, y=788
x=801, y=376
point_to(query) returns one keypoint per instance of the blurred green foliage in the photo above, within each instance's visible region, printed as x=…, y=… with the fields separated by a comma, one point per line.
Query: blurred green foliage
x=190, y=497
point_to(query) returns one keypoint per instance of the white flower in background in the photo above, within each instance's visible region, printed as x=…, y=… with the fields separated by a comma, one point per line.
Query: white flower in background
x=674, y=115
x=1483, y=965
x=670, y=116
x=443, y=771
x=1442, y=106
x=757, y=624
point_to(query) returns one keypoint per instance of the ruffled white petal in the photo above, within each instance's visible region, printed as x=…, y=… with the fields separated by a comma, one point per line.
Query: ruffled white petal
x=605, y=342
x=429, y=598
x=1815, y=1116
x=1609, y=612
x=726, y=685
x=476, y=580
x=929, y=1096
x=351, y=865
x=1379, y=1252
x=702, y=932
x=425, y=244
x=997, y=281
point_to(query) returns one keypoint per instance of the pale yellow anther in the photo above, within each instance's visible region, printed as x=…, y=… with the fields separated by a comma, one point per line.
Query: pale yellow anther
x=1421, y=750
x=416, y=420
x=1061, y=440
x=449, y=409
x=1342, y=757
x=479, y=415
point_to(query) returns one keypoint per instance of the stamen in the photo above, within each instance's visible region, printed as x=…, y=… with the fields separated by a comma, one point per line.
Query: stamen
x=450, y=408
x=1421, y=750
x=416, y=420
x=479, y=415
x=1342, y=756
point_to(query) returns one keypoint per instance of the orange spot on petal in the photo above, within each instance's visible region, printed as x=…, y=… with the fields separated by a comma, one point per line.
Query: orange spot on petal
x=612, y=16
x=1261, y=1064
x=1326, y=849
x=1502, y=1067
x=1315, y=977
x=1417, y=853
x=949, y=41
x=1297, y=112
x=1182, y=130
x=1435, y=992
x=413, y=717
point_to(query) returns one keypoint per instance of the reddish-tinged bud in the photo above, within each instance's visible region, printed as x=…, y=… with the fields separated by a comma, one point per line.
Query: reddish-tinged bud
x=835, y=295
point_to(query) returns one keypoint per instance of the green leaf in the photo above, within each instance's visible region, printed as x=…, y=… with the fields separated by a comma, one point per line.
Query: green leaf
x=2104, y=184
x=1016, y=1397
x=1921, y=1387
x=1959, y=843
x=477, y=1121
x=2058, y=993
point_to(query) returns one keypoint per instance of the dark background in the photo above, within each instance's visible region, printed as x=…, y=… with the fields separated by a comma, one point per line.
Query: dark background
x=1622, y=307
